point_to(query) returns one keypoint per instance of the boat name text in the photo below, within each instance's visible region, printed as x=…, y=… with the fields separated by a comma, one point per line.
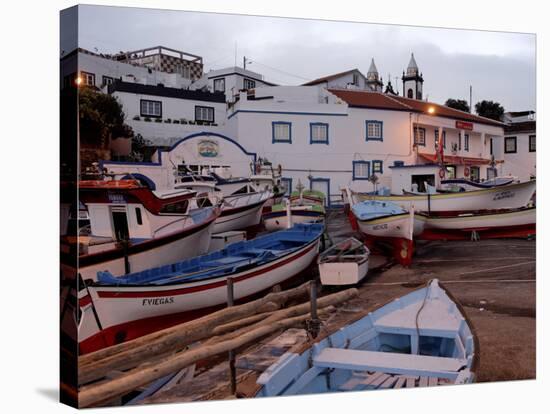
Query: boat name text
x=504, y=194
x=157, y=301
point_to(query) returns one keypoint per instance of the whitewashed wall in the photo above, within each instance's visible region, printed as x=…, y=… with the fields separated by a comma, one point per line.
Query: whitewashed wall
x=522, y=164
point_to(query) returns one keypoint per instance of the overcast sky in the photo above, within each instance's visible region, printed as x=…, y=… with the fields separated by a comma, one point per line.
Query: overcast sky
x=500, y=66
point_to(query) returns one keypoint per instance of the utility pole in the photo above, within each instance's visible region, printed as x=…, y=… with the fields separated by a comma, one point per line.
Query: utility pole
x=244, y=62
x=470, y=98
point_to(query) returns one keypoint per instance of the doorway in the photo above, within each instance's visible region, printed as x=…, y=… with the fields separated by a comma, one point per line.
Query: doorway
x=421, y=180
x=322, y=185
x=120, y=224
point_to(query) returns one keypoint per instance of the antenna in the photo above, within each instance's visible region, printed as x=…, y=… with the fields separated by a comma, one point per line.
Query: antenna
x=235, y=54
x=244, y=62
x=470, y=98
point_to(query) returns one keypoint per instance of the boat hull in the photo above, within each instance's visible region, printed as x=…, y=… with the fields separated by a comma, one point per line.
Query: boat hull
x=278, y=220
x=339, y=274
x=505, y=197
x=126, y=312
x=483, y=220
x=403, y=226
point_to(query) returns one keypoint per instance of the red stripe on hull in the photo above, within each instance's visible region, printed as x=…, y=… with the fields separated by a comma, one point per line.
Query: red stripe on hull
x=522, y=231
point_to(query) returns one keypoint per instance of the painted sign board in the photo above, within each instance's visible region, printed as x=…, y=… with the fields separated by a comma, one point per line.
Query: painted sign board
x=464, y=125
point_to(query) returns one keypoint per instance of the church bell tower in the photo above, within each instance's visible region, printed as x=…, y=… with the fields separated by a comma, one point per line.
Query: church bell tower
x=412, y=81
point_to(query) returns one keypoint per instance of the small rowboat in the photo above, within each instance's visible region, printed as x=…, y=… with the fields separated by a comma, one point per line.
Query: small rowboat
x=116, y=309
x=421, y=339
x=345, y=263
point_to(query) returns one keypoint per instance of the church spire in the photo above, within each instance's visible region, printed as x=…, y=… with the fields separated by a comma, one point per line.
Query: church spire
x=412, y=68
x=412, y=80
x=373, y=80
x=372, y=74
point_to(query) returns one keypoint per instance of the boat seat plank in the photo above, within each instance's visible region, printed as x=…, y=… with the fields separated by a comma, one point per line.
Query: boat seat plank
x=355, y=380
x=391, y=363
x=400, y=382
x=411, y=382
x=378, y=381
x=389, y=382
x=432, y=381
x=423, y=382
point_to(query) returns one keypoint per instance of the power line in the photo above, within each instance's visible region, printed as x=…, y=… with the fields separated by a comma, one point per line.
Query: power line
x=279, y=70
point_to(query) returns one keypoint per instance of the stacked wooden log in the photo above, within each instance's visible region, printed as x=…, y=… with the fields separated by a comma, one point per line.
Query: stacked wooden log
x=148, y=358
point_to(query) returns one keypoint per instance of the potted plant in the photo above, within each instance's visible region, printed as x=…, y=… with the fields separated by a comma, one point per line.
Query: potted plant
x=183, y=121
x=136, y=118
x=158, y=120
x=147, y=119
x=168, y=121
x=176, y=121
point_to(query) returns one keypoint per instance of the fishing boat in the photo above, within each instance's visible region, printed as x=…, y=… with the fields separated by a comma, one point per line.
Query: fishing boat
x=303, y=206
x=421, y=339
x=504, y=223
x=345, y=263
x=382, y=219
x=502, y=197
x=115, y=309
x=239, y=211
x=463, y=184
x=133, y=228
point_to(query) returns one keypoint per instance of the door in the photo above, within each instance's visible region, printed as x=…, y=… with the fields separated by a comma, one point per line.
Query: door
x=322, y=185
x=120, y=224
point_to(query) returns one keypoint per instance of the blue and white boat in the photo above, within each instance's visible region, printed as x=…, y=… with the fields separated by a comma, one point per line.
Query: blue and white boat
x=115, y=309
x=463, y=184
x=421, y=339
x=384, y=219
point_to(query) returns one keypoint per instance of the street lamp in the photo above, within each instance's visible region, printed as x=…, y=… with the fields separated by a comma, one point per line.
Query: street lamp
x=431, y=110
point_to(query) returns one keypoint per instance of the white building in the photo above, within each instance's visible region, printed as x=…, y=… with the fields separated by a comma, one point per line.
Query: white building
x=336, y=137
x=164, y=115
x=152, y=66
x=516, y=151
x=231, y=81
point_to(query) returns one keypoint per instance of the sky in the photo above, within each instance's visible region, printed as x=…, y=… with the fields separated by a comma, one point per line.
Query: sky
x=500, y=66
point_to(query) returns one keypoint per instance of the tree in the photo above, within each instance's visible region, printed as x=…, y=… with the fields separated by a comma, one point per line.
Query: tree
x=459, y=104
x=490, y=109
x=101, y=119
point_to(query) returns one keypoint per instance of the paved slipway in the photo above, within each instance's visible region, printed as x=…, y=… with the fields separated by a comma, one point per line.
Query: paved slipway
x=503, y=313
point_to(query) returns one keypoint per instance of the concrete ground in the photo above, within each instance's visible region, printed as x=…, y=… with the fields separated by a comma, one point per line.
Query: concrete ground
x=502, y=313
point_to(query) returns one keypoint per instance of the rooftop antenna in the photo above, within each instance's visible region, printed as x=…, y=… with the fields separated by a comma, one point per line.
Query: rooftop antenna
x=470, y=98
x=235, y=54
x=396, y=85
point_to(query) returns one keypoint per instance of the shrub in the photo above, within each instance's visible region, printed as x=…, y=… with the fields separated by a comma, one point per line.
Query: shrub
x=147, y=119
x=136, y=118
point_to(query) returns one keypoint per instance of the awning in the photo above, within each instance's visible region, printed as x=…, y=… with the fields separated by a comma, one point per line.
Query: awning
x=455, y=159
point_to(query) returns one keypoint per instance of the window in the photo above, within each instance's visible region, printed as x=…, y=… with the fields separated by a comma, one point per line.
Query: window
x=491, y=145
x=249, y=84
x=219, y=85
x=466, y=142
x=491, y=173
x=151, y=108
x=88, y=78
x=138, y=216
x=532, y=143
x=184, y=71
x=175, y=208
x=459, y=141
x=281, y=132
x=377, y=166
x=361, y=170
x=204, y=113
x=436, y=134
x=374, y=130
x=410, y=93
x=451, y=171
x=356, y=79
x=420, y=136
x=287, y=183
x=318, y=133
x=106, y=80
x=510, y=145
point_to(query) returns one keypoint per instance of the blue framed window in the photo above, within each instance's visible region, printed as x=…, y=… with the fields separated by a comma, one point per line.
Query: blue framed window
x=374, y=131
x=436, y=134
x=466, y=142
x=318, y=133
x=322, y=185
x=420, y=136
x=281, y=132
x=287, y=182
x=361, y=170
x=377, y=166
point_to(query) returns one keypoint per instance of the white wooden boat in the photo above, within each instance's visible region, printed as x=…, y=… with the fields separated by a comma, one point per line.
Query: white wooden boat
x=240, y=211
x=118, y=309
x=345, y=263
x=503, y=197
x=277, y=217
x=421, y=339
x=134, y=228
x=482, y=219
x=380, y=219
x=463, y=184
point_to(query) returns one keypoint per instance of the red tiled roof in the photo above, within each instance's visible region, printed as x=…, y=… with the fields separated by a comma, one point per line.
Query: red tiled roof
x=366, y=99
x=330, y=77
